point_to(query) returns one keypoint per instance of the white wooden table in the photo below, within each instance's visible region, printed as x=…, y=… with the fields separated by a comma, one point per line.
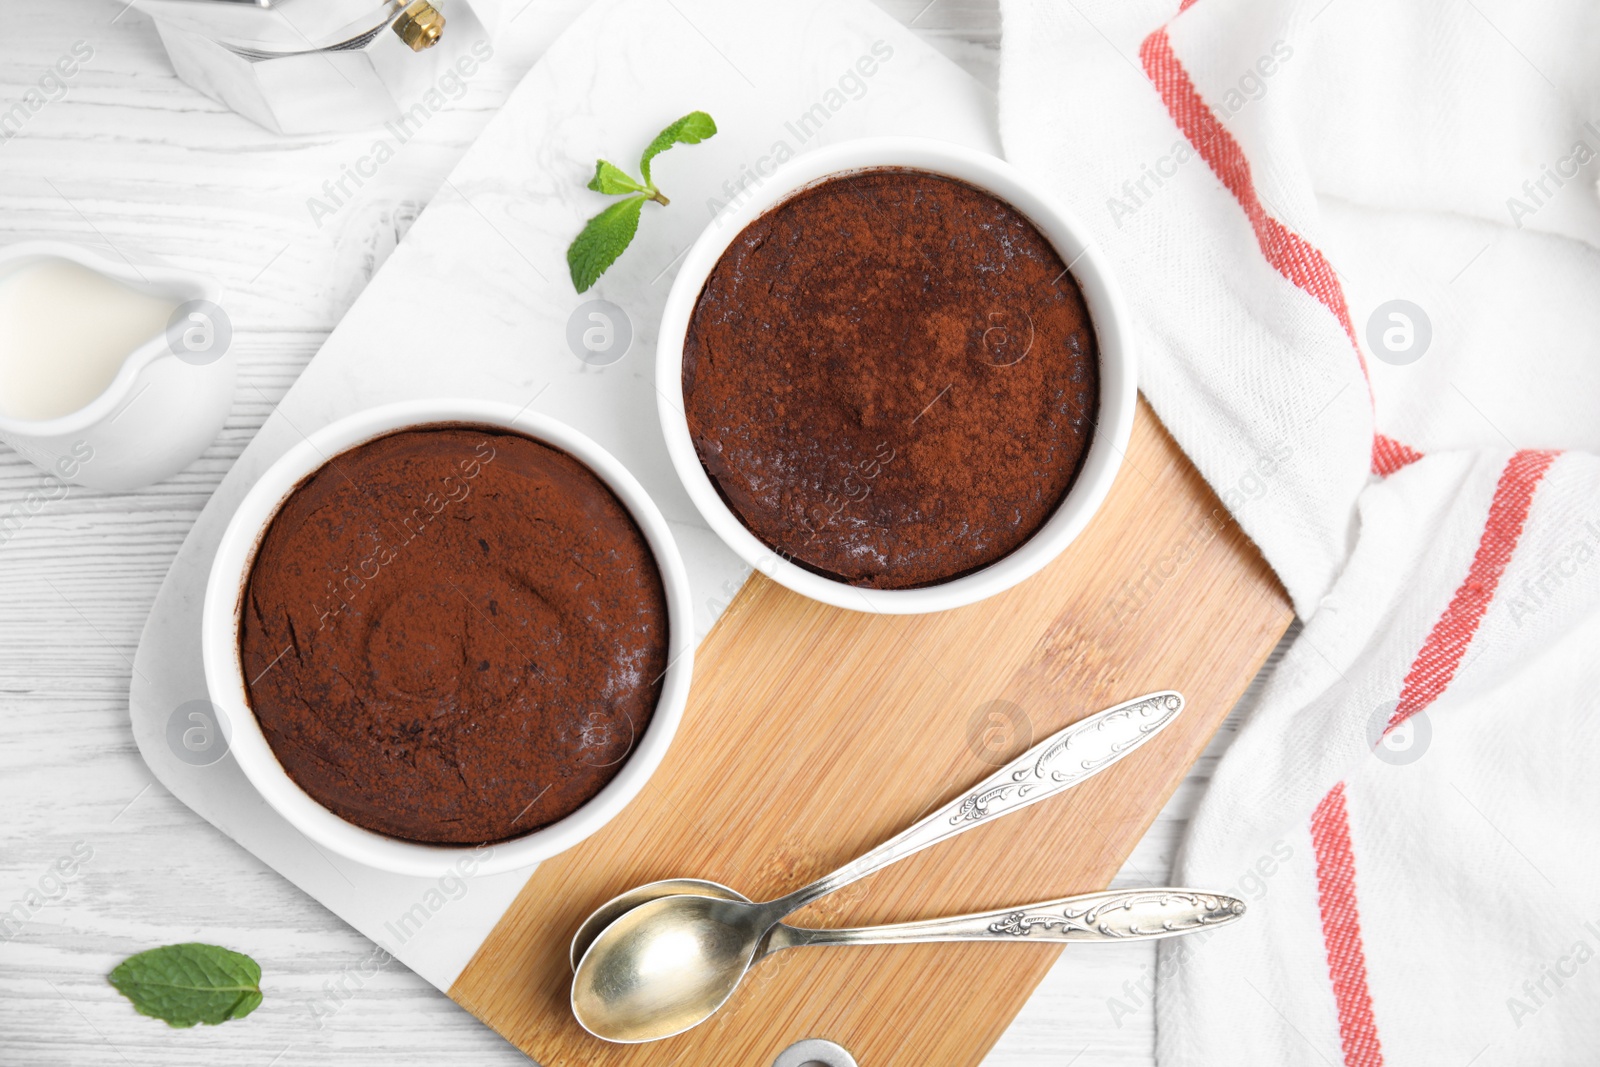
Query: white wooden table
x=130, y=157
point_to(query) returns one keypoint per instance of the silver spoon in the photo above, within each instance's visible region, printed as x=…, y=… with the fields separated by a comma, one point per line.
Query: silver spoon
x=1110, y=915
x=635, y=958
x=676, y=995
x=1065, y=759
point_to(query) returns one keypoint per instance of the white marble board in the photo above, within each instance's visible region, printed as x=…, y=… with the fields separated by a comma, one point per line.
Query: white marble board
x=476, y=302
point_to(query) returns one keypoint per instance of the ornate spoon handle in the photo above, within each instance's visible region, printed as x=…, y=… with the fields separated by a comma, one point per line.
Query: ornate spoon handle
x=1056, y=764
x=1114, y=915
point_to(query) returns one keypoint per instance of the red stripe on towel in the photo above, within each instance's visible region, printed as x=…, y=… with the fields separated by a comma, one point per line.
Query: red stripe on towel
x=1290, y=254
x=1441, y=654
x=1430, y=673
x=1389, y=455
x=1341, y=931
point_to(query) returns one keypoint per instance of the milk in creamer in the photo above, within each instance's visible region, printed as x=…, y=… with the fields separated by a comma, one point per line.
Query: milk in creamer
x=65, y=331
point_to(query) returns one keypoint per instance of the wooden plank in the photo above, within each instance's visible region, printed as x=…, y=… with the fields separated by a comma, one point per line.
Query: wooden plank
x=814, y=733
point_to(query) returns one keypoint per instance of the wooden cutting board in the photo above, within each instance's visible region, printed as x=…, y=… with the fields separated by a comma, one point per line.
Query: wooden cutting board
x=813, y=733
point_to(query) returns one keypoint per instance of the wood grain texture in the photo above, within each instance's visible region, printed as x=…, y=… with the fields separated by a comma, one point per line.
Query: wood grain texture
x=814, y=733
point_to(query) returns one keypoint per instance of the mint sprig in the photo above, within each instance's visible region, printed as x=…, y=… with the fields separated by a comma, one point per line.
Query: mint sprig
x=190, y=983
x=608, y=234
x=603, y=240
x=693, y=128
x=613, y=180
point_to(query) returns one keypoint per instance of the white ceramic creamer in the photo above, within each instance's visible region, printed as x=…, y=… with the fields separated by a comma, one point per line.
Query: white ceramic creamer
x=112, y=375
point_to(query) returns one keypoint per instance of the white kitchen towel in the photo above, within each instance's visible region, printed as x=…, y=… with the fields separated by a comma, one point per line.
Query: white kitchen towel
x=1360, y=242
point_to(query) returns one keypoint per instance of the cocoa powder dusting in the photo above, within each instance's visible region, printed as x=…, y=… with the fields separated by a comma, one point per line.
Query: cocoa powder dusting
x=891, y=378
x=453, y=635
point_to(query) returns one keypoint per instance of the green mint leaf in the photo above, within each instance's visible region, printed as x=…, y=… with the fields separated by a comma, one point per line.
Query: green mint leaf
x=693, y=128
x=190, y=983
x=602, y=241
x=613, y=180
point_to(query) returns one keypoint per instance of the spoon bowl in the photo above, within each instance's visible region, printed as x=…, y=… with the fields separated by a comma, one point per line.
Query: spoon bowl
x=622, y=903
x=666, y=966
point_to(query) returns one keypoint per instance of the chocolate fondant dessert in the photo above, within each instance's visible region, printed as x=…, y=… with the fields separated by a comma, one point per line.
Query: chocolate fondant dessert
x=453, y=635
x=891, y=378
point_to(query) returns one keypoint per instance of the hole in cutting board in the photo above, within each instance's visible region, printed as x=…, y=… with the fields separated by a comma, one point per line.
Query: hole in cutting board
x=814, y=1052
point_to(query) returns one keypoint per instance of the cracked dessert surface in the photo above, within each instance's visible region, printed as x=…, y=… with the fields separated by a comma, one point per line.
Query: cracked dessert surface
x=453, y=634
x=891, y=378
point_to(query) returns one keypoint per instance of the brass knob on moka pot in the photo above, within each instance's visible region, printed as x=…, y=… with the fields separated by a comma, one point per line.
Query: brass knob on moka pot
x=420, y=25
x=319, y=66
